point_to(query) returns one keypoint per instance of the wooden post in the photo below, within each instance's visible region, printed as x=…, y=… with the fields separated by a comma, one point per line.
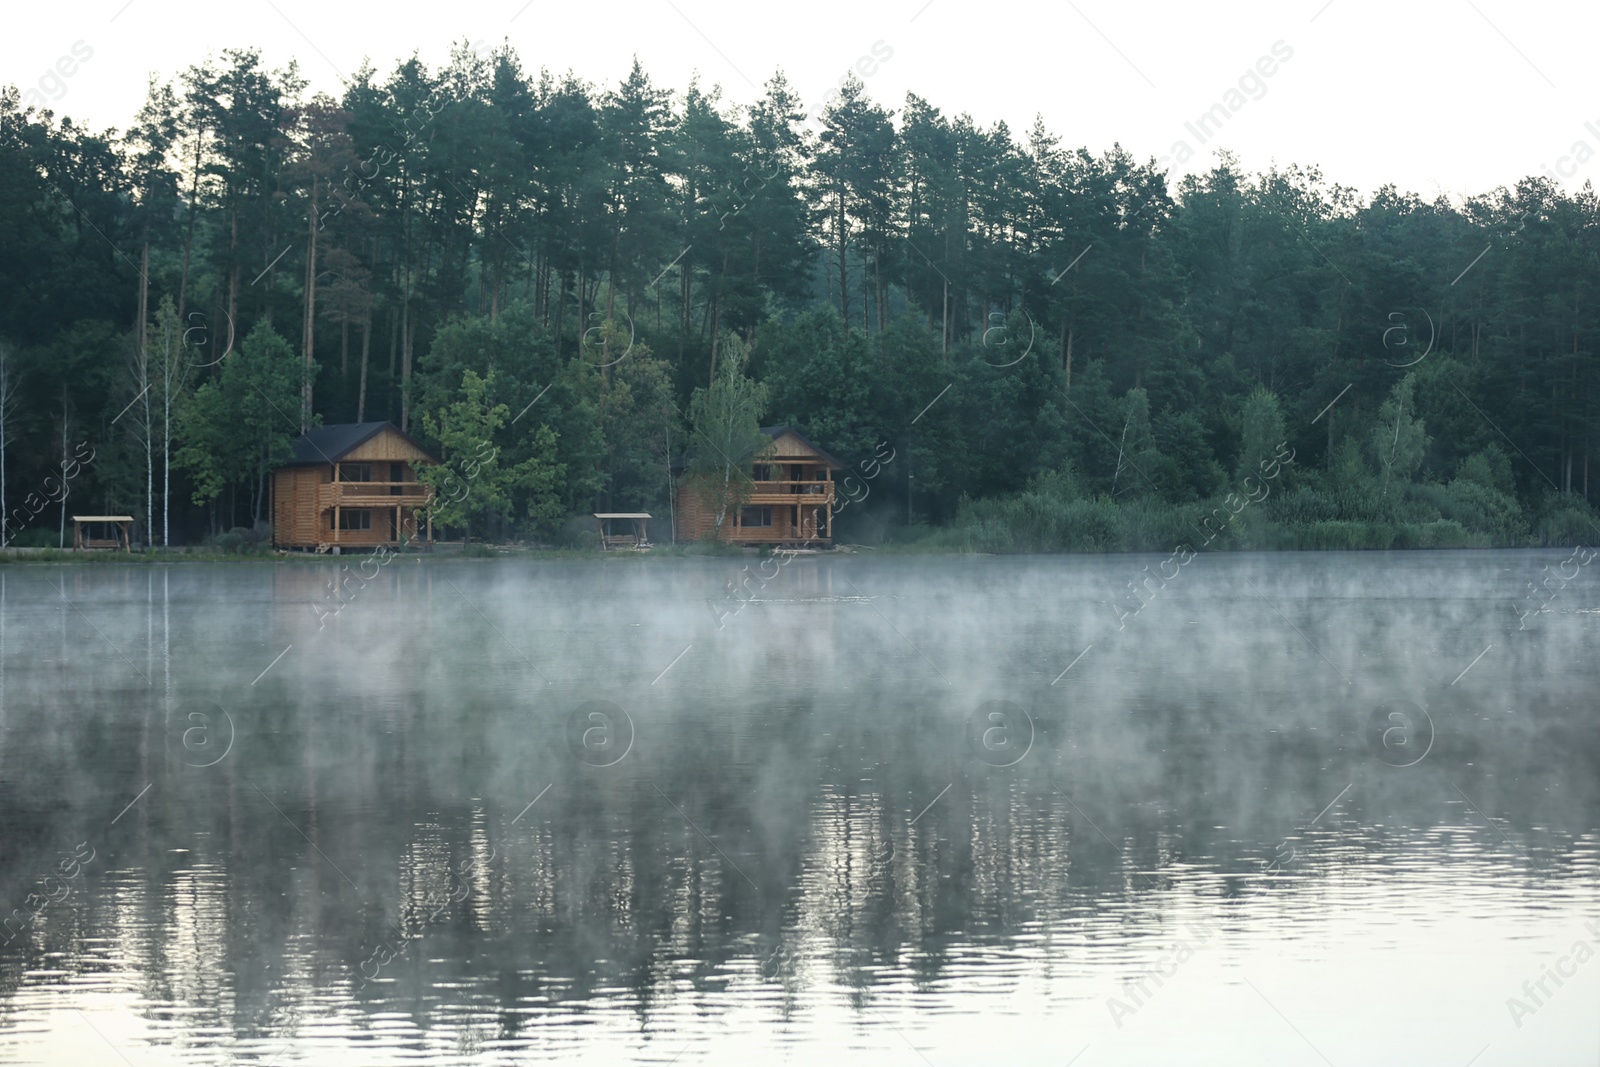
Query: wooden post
x=830, y=505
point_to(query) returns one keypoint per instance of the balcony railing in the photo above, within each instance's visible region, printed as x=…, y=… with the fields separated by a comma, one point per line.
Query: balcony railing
x=374, y=494
x=818, y=492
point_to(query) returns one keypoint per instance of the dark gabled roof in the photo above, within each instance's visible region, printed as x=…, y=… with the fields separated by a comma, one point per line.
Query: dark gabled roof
x=773, y=432
x=776, y=432
x=327, y=444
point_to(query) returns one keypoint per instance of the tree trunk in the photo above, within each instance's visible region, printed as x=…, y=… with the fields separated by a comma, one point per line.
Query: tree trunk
x=716, y=312
x=944, y=327
x=233, y=266
x=685, y=291
x=844, y=276
x=166, y=454
x=405, y=365
x=309, y=332
x=561, y=307
x=877, y=279
x=611, y=274
x=366, y=345
x=149, y=471
x=188, y=237
x=61, y=535
x=1066, y=358
x=144, y=298
x=5, y=415
x=394, y=339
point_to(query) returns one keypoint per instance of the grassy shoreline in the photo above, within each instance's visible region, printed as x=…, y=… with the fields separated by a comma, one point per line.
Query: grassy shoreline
x=927, y=546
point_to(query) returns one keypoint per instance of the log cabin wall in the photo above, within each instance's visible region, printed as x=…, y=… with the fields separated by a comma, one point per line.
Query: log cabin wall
x=294, y=504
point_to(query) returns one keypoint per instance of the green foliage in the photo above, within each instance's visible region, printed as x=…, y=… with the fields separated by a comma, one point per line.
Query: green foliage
x=1192, y=472
x=242, y=540
x=474, y=481
x=1398, y=443
x=539, y=390
x=1490, y=468
x=1137, y=456
x=992, y=307
x=1261, y=433
x=237, y=427
x=726, y=419
x=1565, y=519
x=639, y=423
x=1477, y=507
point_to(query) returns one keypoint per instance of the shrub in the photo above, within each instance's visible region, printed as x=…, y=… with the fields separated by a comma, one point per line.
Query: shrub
x=37, y=537
x=1564, y=519
x=1340, y=535
x=1478, y=507
x=579, y=531
x=1441, y=533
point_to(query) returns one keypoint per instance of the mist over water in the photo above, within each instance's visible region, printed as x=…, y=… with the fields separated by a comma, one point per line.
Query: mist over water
x=1278, y=808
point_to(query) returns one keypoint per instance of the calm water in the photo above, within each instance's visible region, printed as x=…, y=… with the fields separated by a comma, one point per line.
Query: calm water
x=1297, y=809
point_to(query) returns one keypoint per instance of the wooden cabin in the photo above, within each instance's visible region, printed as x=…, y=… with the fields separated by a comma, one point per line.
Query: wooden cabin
x=790, y=501
x=351, y=485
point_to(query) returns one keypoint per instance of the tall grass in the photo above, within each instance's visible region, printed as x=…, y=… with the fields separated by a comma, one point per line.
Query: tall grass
x=1054, y=515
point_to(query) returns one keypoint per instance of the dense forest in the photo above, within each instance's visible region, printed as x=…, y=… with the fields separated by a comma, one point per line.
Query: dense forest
x=1013, y=344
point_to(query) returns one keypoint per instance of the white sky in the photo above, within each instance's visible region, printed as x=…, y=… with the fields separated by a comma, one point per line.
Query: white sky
x=1451, y=96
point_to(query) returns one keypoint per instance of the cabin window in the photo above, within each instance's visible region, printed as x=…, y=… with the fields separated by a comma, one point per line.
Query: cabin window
x=761, y=472
x=355, y=519
x=759, y=516
x=355, y=472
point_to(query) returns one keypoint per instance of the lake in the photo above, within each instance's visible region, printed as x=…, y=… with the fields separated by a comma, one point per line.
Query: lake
x=1259, y=809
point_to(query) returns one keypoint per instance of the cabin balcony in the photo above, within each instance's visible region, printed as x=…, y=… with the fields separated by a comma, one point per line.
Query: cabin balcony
x=810, y=493
x=373, y=494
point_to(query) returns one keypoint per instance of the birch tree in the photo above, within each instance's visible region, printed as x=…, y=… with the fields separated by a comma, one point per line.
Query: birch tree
x=139, y=422
x=8, y=429
x=727, y=433
x=169, y=371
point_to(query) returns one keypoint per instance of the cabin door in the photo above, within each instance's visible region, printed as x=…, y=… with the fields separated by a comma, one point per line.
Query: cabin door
x=397, y=472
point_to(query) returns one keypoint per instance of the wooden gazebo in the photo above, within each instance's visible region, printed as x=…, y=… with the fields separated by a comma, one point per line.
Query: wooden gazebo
x=102, y=531
x=636, y=540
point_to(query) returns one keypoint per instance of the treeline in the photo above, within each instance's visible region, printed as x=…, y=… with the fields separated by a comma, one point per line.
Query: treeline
x=1058, y=348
